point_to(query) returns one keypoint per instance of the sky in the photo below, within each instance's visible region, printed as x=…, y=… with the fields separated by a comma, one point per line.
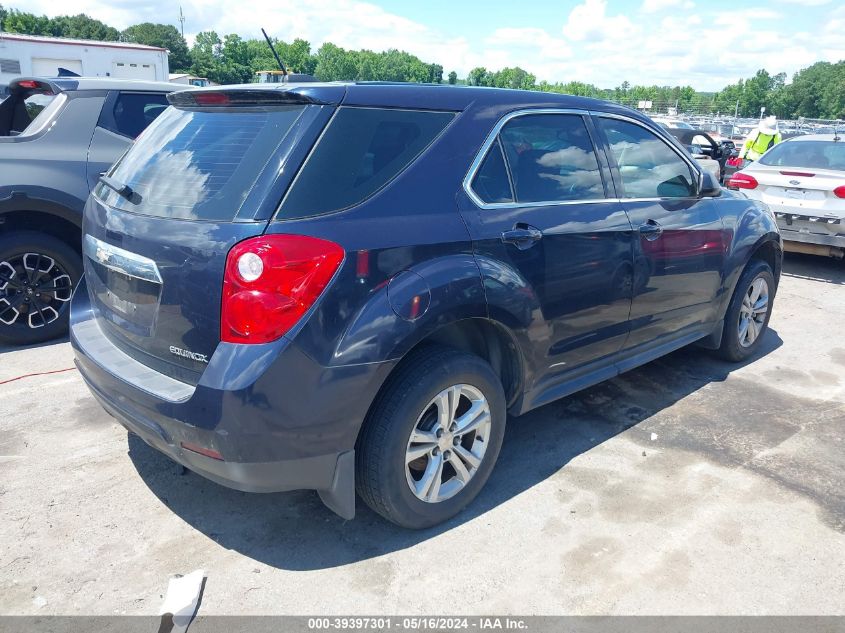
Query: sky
x=703, y=43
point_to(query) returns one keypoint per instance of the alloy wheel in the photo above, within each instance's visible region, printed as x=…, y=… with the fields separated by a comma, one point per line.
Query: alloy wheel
x=33, y=290
x=752, y=312
x=448, y=443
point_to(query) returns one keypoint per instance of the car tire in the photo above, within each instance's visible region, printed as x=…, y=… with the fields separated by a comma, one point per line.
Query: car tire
x=388, y=460
x=59, y=267
x=743, y=317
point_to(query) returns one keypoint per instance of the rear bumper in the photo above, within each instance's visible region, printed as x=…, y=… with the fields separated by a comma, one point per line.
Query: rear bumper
x=794, y=229
x=279, y=420
x=315, y=473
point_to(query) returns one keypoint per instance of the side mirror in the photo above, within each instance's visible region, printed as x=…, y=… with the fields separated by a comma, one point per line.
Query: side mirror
x=709, y=187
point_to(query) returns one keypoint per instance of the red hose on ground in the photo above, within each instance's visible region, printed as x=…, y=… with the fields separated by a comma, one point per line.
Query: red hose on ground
x=39, y=373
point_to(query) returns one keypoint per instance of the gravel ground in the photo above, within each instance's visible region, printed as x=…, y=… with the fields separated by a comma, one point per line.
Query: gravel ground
x=688, y=486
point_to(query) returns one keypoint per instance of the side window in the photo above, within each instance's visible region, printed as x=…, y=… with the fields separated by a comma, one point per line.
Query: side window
x=134, y=111
x=491, y=183
x=551, y=158
x=360, y=152
x=649, y=168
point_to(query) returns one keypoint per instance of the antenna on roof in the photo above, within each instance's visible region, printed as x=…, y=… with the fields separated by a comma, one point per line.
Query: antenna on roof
x=275, y=54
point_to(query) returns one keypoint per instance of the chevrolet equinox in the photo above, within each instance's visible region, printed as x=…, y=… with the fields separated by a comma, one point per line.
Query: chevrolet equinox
x=349, y=287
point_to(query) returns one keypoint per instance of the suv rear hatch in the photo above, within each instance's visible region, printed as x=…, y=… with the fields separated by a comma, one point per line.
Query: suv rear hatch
x=207, y=174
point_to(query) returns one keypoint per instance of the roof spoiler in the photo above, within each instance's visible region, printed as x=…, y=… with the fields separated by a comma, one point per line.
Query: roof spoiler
x=223, y=98
x=36, y=84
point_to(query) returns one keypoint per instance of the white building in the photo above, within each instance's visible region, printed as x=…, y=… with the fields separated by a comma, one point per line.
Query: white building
x=40, y=56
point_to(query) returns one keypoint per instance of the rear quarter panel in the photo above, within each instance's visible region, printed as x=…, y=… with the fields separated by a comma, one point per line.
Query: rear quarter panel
x=50, y=166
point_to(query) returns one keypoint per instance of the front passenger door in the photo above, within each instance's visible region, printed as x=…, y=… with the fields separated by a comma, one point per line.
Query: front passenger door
x=680, y=249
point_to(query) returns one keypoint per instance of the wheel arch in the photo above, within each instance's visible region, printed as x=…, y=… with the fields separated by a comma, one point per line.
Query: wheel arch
x=767, y=248
x=487, y=339
x=21, y=213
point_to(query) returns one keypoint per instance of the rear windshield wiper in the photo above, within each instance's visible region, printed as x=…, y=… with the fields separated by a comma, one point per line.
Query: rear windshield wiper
x=121, y=189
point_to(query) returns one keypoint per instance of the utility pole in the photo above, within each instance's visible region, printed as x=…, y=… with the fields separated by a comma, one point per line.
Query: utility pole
x=736, y=110
x=182, y=21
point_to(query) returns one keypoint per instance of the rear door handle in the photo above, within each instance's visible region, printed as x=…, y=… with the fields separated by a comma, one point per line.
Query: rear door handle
x=651, y=230
x=522, y=236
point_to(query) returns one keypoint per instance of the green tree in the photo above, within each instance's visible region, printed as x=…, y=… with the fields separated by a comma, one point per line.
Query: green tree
x=79, y=26
x=334, y=64
x=479, y=76
x=18, y=22
x=435, y=73
x=515, y=78
x=817, y=91
x=453, y=78
x=83, y=27
x=164, y=36
x=207, y=55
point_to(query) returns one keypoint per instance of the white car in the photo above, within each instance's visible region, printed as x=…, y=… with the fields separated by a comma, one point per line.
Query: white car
x=669, y=123
x=706, y=163
x=803, y=182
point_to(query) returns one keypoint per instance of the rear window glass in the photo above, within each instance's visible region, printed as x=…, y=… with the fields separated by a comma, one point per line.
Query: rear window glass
x=360, y=152
x=199, y=164
x=809, y=154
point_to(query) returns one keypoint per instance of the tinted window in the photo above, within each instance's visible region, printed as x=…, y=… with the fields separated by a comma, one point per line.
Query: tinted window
x=361, y=151
x=199, y=165
x=36, y=103
x=134, y=111
x=491, y=182
x=46, y=109
x=809, y=154
x=648, y=166
x=25, y=110
x=551, y=158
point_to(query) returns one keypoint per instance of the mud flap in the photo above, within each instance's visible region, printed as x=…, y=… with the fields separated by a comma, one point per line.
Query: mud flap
x=340, y=498
x=714, y=339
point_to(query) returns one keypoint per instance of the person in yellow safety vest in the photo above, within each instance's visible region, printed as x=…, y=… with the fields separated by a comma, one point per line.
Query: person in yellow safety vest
x=761, y=140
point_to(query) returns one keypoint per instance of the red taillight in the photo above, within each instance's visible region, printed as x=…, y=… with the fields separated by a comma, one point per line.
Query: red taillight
x=30, y=84
x=270, y=282
x=742, y=181
x=839, y=192
x=211, y=98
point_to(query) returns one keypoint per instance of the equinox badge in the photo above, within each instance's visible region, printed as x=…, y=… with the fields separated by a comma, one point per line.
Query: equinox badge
x=200, y=358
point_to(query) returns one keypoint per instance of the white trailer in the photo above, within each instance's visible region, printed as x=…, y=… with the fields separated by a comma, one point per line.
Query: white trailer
x=40, y=56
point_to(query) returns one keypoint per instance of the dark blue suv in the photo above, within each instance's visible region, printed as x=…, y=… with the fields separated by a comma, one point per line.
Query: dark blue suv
x=347, y=287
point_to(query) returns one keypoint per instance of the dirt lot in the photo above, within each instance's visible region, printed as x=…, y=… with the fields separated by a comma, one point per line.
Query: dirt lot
x=688, y=486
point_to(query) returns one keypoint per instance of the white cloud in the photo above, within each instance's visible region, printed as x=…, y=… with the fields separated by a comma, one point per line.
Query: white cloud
x=595, y=42
x=807, y=3
x=653, y=6
x=589, y=22
x=540, y=41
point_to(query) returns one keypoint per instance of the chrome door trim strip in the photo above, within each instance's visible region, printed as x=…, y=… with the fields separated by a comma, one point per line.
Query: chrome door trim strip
x=494, y=133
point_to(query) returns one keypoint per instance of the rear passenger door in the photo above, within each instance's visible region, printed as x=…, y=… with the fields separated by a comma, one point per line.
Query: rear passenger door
x=679, y=251
x=124, y=116
x=540, y=213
